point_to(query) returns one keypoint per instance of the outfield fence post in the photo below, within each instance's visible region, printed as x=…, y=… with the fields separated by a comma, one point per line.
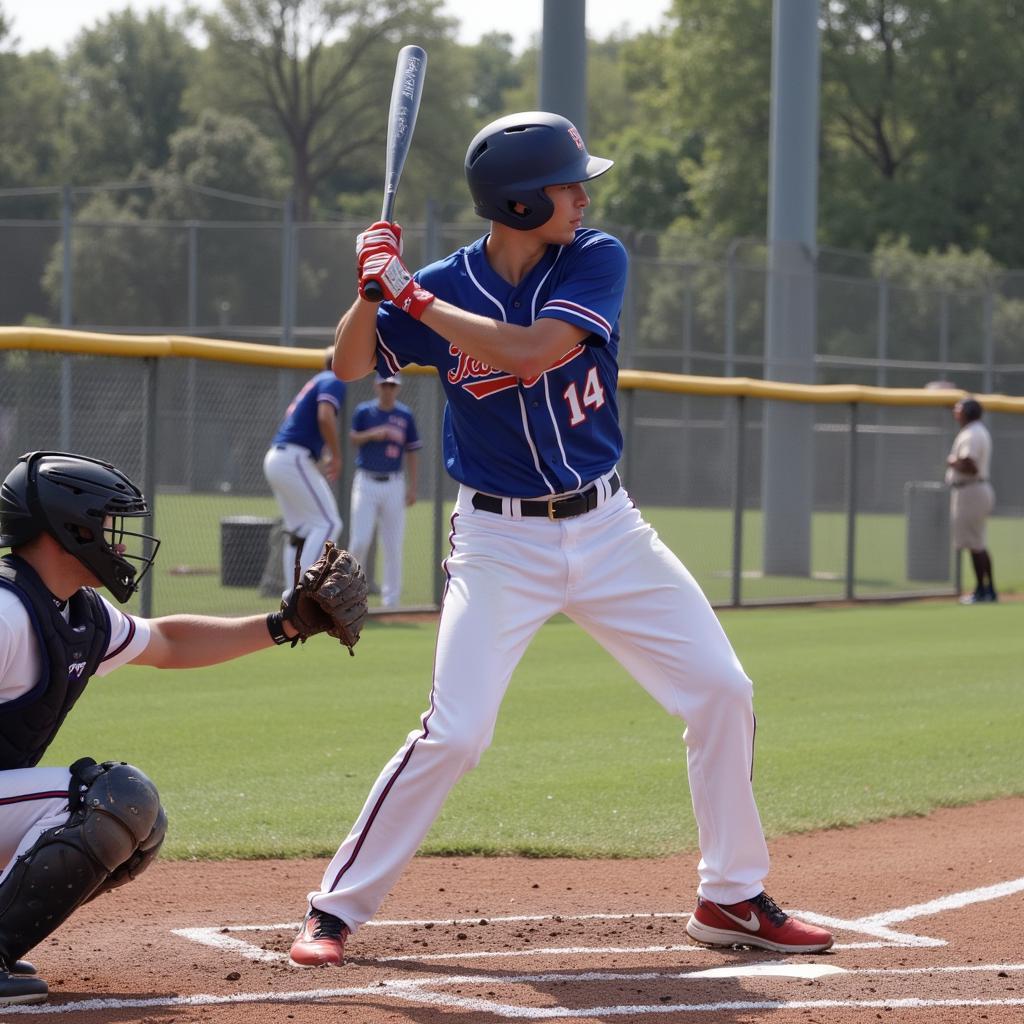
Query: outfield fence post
x=738, y=498
x=149, y=456
x=66, y=312
x=851, y=503
x=730, y=309
x=288, y=276
x=882, y=340
x=190, y=370
x=988, y=345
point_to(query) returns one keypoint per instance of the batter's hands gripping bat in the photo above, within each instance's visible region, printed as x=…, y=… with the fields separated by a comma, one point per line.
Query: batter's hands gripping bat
x=410, y=70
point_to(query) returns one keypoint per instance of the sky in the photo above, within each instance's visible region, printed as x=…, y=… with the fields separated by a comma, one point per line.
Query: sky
x=39, y=24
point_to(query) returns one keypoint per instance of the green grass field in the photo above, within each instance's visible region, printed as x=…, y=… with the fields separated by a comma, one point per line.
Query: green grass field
x=189, y=527
x=863, y=713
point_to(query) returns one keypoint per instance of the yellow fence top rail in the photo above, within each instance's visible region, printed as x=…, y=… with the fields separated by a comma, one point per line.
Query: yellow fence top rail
x=49, y=339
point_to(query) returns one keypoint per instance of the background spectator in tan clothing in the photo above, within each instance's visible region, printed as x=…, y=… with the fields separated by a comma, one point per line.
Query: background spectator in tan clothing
x=972, y=497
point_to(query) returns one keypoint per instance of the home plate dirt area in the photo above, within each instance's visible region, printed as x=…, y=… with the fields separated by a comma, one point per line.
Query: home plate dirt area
x=928, y=915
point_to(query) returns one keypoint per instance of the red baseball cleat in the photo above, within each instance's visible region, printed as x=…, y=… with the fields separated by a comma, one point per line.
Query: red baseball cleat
x=321, y=940
x=754, y=922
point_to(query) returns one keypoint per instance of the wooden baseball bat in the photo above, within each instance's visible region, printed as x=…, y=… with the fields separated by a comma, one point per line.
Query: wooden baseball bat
x=410, y=71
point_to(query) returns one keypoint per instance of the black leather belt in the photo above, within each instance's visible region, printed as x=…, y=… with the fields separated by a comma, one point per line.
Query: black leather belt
x=552, y=508
x=380, y=477
x=967, y=483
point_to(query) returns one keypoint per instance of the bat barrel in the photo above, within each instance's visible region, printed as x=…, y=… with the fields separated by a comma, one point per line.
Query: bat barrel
x=410, y=69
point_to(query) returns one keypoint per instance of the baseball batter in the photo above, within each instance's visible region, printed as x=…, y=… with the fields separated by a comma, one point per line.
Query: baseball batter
x=384, y=434
x=522, y=326
x=301, y=482
x=68, y=834
x=971, y=496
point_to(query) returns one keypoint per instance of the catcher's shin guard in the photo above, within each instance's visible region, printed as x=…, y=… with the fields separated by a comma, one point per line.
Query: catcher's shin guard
x=114, y=816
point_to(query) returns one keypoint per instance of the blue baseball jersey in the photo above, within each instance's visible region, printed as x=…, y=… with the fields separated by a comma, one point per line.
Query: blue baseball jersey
x=502, y=434
x=299, y=425
x=385, y=456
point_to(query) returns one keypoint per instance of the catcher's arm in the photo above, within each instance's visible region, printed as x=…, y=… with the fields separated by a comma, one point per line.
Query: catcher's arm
x=330, y=597
x=193, y=641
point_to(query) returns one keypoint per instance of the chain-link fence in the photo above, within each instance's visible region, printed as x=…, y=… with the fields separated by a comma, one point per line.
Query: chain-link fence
x=284, y=282
x=192, y=432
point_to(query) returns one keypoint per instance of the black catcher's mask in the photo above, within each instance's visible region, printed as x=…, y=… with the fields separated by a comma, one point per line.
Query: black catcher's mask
x=71, y=497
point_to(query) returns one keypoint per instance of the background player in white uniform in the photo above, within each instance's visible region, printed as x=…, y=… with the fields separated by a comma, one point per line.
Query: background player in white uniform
x=384, y=433
x=302, y=487
x=70, y=834
x=972, y=497
x=522, y=326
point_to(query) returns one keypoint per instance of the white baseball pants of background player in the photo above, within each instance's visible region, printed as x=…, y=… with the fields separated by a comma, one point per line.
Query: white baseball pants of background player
x=379, y=499
x=608, y=571
x=307, y=504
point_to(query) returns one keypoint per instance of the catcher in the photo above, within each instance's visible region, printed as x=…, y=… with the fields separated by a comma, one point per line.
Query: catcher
x=68, y=834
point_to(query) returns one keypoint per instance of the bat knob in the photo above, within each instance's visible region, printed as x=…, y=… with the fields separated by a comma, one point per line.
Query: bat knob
x=373, y=292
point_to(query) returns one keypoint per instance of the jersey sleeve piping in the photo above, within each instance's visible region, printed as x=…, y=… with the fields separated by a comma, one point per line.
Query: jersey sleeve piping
x=114, y=652
x=394, y=364
x=563, y=309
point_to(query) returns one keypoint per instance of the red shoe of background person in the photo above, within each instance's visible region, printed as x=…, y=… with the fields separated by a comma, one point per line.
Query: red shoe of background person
x=321, y=941
x=754, y=922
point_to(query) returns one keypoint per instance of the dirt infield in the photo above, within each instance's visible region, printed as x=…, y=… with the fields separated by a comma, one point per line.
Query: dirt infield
x=924, y=910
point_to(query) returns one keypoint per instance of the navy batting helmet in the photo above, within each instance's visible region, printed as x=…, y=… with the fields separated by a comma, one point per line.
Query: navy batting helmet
x=509, y=162
x=70, y=497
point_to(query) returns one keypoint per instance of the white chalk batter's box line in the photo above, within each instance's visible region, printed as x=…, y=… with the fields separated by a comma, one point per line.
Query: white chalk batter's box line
x=878, y=927
x=429, y=992
x=436, y=991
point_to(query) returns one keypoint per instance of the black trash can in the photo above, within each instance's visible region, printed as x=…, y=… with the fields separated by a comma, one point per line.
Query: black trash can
x=244, y=545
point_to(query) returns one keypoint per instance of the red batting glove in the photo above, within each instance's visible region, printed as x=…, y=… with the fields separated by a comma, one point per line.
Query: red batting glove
x=397, y=284
x=378, y=237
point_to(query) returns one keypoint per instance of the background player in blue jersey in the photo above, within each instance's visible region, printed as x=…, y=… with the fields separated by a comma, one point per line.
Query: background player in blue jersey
x=522, y=327
x=303, y=460
x=384, y=433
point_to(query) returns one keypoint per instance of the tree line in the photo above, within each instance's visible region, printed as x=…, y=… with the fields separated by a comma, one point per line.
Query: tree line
x=920, y=141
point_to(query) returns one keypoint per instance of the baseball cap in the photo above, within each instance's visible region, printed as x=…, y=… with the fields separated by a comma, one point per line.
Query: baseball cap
x=395, y=379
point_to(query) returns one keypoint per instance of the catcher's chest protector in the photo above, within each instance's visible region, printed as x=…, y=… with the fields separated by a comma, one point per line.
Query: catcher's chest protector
x=70, y=652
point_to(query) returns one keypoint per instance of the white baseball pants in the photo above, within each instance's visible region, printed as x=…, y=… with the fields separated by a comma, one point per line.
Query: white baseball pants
x=306, y=501
x=380, y=502
x=32, y=800
x=608, y=571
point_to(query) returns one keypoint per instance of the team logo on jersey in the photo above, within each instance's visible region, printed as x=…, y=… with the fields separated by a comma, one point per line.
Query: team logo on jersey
x=467, y=366
x=75, y=669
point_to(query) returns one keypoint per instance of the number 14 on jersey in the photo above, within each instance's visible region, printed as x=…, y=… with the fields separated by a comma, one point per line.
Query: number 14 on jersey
x=593, y=398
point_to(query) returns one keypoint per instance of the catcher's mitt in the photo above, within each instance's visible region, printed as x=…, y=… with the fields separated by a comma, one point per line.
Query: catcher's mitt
x=330, y=597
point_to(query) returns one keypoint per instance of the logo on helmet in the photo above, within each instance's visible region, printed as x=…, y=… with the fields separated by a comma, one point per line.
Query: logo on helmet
x=576, y=137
